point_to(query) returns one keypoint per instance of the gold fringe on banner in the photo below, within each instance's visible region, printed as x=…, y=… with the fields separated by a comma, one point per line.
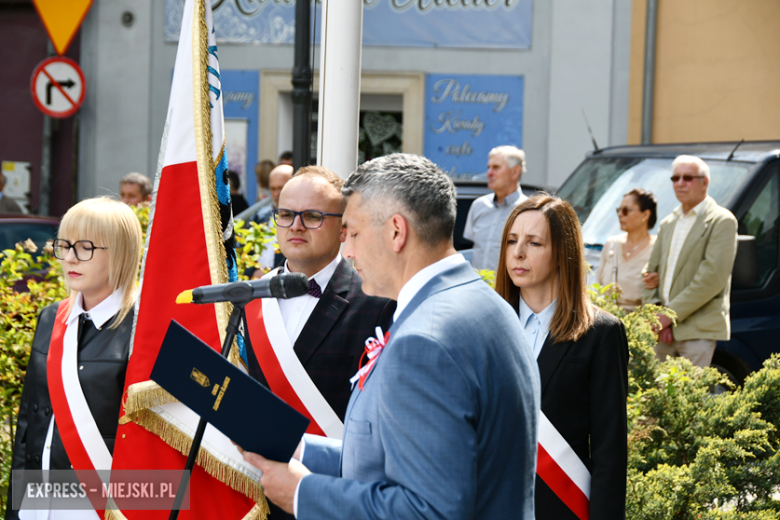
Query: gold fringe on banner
x=146, y=394
x=181, y=442
x=212, y=220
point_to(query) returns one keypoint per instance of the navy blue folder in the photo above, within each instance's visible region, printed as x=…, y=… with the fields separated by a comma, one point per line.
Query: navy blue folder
x=234, y=403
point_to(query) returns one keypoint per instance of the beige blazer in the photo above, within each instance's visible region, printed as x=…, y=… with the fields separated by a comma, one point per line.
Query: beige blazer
x=701, y=282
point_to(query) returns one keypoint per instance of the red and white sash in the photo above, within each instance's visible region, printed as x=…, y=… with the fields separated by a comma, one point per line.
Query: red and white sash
x=80, y=435
x=562, y=470
x=283, y=370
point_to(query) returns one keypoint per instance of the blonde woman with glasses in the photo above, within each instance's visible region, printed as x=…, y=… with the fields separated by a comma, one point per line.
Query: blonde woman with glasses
x=76, y=372
x=624, y=256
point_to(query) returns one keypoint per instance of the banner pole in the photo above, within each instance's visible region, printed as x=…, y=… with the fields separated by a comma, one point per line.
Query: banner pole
x=339, y=98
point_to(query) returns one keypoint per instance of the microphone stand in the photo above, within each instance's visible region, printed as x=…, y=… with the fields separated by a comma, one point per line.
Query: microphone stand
x=236, y=317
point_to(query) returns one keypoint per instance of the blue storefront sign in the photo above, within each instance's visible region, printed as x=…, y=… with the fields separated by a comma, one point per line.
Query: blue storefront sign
x=489, y=24
x=468, y=115
x=241, y=91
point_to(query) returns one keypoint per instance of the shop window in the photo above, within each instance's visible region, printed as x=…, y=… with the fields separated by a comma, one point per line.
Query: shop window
x=381, y=133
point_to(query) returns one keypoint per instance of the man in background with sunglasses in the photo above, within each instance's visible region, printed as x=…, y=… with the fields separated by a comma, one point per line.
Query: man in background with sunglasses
x=317, y=339
x=690, y=266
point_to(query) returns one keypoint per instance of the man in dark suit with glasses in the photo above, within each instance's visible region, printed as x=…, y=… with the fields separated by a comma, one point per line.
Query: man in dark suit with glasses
x=314, y=341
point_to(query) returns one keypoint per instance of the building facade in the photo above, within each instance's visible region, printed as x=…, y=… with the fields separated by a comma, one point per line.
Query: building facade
x=446, y=79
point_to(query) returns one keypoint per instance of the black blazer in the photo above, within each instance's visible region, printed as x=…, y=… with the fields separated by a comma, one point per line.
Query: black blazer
x=584, y=390
x=103, y=354
x=332, y=341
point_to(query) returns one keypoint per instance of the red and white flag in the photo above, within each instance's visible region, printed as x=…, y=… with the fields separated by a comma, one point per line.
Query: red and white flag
x=185, y=248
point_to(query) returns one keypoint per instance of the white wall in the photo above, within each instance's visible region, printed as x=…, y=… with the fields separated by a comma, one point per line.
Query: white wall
x=580, y=79
x=115, y=117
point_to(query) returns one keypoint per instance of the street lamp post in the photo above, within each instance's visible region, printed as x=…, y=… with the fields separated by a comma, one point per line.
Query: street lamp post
x=301, y=80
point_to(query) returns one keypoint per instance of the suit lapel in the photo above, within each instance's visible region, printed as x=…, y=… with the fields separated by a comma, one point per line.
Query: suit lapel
x=458, y=275
x=329, y=309
x=699, y=228
x=550, y=357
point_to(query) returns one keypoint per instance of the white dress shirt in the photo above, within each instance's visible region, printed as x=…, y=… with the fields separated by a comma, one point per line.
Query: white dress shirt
x=681, y=229
x=536, y=325
x=485, y=225
x=296, y=311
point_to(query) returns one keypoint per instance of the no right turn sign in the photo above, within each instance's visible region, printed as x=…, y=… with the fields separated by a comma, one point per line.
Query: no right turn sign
x=58, y=87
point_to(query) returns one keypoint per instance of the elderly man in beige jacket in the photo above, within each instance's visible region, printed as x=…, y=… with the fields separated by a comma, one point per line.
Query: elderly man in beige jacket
x=690, y=266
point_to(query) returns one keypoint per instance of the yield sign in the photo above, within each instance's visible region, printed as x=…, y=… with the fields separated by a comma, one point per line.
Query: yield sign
x=62, y=19
x=58, y=87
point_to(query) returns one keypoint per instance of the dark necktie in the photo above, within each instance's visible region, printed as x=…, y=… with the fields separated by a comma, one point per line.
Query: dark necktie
x=314, y=288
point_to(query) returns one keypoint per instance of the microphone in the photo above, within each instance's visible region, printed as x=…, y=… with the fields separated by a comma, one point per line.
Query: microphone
x=281, y=286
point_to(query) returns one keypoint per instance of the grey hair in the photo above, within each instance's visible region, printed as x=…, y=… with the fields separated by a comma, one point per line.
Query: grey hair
x=143, y=182
x=701, y=166
x=412, y=186
x=511, y=154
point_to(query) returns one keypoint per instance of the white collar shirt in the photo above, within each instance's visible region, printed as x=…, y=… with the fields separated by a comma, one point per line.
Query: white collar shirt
x=99, y=315
x=422, y=277
x=536, y=326
x=296, y=311
x=681, y=229
x=485, y=224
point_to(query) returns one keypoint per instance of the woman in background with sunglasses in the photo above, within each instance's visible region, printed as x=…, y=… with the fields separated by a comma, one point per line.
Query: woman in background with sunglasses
x=76, y=372
x=624, y=256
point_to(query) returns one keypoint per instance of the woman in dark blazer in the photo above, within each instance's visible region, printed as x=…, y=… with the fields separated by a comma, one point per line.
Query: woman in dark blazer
x=583, y=358
x=76, y=373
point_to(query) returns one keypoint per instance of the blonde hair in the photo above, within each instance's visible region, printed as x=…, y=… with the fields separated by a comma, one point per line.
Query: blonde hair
x=112, y=224
x=574, y=313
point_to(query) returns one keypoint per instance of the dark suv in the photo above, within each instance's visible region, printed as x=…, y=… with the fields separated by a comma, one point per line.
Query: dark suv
x=746, y=180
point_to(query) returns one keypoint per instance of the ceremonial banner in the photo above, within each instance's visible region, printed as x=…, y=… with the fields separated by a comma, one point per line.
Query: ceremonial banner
x=189, y=243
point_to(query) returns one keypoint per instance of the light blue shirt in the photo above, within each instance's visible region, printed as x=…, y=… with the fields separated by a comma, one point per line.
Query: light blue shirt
x=536, y=326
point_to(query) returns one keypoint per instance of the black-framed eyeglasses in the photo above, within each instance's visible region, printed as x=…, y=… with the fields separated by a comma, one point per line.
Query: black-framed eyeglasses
x=687, y=178
x=310, y=218
x=83, y=249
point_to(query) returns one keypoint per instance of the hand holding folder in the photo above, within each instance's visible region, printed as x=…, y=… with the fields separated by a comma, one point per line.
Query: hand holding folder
x=234, y=403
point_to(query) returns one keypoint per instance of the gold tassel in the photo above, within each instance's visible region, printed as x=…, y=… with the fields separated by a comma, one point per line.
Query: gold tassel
x=182, y=443
x=114, y=514
x=258, y=512
x=144, y=395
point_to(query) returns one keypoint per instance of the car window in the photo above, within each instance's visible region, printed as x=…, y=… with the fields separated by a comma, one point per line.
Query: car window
x=12, y=233
x=597, y=187
x=763, y=222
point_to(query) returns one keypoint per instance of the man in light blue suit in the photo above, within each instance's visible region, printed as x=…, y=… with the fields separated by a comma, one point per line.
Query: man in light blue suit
x=444, y=426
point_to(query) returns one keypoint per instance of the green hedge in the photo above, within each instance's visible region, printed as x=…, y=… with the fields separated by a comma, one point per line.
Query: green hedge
x=692, y=454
